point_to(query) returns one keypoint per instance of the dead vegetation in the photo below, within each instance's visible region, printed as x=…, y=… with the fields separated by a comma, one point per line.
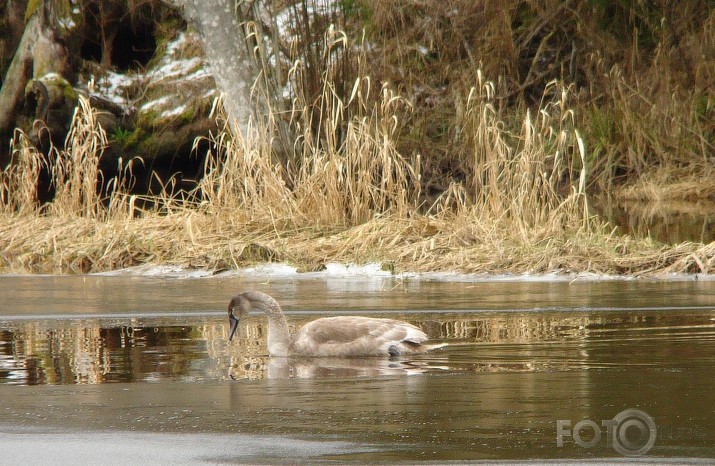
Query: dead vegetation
x=426, y=166
x=641, y=75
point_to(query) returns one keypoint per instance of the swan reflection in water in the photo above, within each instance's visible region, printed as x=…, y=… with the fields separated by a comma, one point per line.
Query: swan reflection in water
x=304, y=368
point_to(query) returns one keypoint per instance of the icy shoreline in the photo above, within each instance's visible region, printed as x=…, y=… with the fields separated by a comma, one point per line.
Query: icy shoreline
x=281, y=271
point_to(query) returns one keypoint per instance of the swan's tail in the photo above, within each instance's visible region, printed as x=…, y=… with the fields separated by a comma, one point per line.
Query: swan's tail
x=410, y=347
x=433, y=347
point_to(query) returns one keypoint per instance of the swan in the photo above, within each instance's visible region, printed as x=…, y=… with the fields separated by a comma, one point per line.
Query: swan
x=344, y=336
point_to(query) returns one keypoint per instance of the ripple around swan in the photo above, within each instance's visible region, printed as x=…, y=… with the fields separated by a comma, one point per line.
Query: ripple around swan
x=194, y=347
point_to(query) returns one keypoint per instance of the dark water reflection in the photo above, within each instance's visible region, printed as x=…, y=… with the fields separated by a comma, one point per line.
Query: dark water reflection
x=667, y=221
x=125, y=354
x=154, y=349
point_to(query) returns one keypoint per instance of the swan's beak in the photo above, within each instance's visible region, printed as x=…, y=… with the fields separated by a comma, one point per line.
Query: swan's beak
x=234, y=326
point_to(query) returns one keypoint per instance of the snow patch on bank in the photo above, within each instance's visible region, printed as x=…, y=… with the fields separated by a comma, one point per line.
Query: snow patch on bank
x=158, y=271
x=281, y=271
x=176, y=65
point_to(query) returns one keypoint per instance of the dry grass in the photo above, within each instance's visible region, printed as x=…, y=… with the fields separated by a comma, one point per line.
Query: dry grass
x=356, y=201
x=346, y=191
x=333, y=184
x=18, y=190
x=642, y=74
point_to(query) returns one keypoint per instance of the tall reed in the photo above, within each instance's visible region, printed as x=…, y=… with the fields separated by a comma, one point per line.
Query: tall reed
x=343, y=170
x=528, y=177
x=19, y=181
x=75, y=170
x=80, y=188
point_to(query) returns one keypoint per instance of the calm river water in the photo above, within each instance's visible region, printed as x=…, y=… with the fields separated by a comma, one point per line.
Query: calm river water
x=125, y=369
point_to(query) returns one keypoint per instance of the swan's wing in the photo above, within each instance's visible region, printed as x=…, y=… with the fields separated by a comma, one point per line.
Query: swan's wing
x=357, y=336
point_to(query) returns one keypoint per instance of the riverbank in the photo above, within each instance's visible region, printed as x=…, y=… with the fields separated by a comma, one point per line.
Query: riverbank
x=350, y=198
x=216, y=241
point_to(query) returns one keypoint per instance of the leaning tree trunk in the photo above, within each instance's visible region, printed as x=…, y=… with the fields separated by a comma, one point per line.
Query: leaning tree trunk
x=224, y=42
x=12, y=93
x=40, y=55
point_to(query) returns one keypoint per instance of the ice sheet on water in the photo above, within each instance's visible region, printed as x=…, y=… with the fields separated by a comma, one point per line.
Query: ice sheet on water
x=333, y=270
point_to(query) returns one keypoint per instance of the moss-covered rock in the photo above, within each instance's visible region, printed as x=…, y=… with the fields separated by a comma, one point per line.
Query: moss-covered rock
x=143, y=70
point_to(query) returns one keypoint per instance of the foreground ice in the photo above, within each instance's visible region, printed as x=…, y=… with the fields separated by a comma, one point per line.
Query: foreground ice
x=19, y=446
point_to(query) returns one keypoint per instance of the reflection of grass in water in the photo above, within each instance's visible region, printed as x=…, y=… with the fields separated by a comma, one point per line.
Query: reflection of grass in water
x=90, y=352
x=668, y=221
x=346, y=195
x=86, y=352
x=673, y=183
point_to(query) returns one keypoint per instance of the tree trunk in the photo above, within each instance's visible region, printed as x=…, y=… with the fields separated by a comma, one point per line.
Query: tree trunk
x=224, y=42
x=12, y=93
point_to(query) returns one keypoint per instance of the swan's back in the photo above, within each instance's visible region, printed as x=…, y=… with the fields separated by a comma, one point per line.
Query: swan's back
x=349, y=336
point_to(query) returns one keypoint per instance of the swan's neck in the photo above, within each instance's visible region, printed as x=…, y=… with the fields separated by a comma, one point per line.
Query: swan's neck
x=279, y=337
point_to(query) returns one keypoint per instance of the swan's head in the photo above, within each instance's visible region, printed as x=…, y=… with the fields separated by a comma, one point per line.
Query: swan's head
x=242, y=306
x=243, y=303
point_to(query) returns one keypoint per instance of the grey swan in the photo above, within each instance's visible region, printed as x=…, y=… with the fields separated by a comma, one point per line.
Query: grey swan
x=343, y=336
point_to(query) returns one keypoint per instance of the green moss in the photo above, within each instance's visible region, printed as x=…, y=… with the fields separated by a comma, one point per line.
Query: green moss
x=68, y=92
x=32, y=7
x=134, y=138
x=167, y=31
x=120, y=136
x=388, y=266
x=55, y=80
x=148, y=119
x=188, y=115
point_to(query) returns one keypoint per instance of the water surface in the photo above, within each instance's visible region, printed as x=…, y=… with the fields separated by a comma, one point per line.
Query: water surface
x=90, y=358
